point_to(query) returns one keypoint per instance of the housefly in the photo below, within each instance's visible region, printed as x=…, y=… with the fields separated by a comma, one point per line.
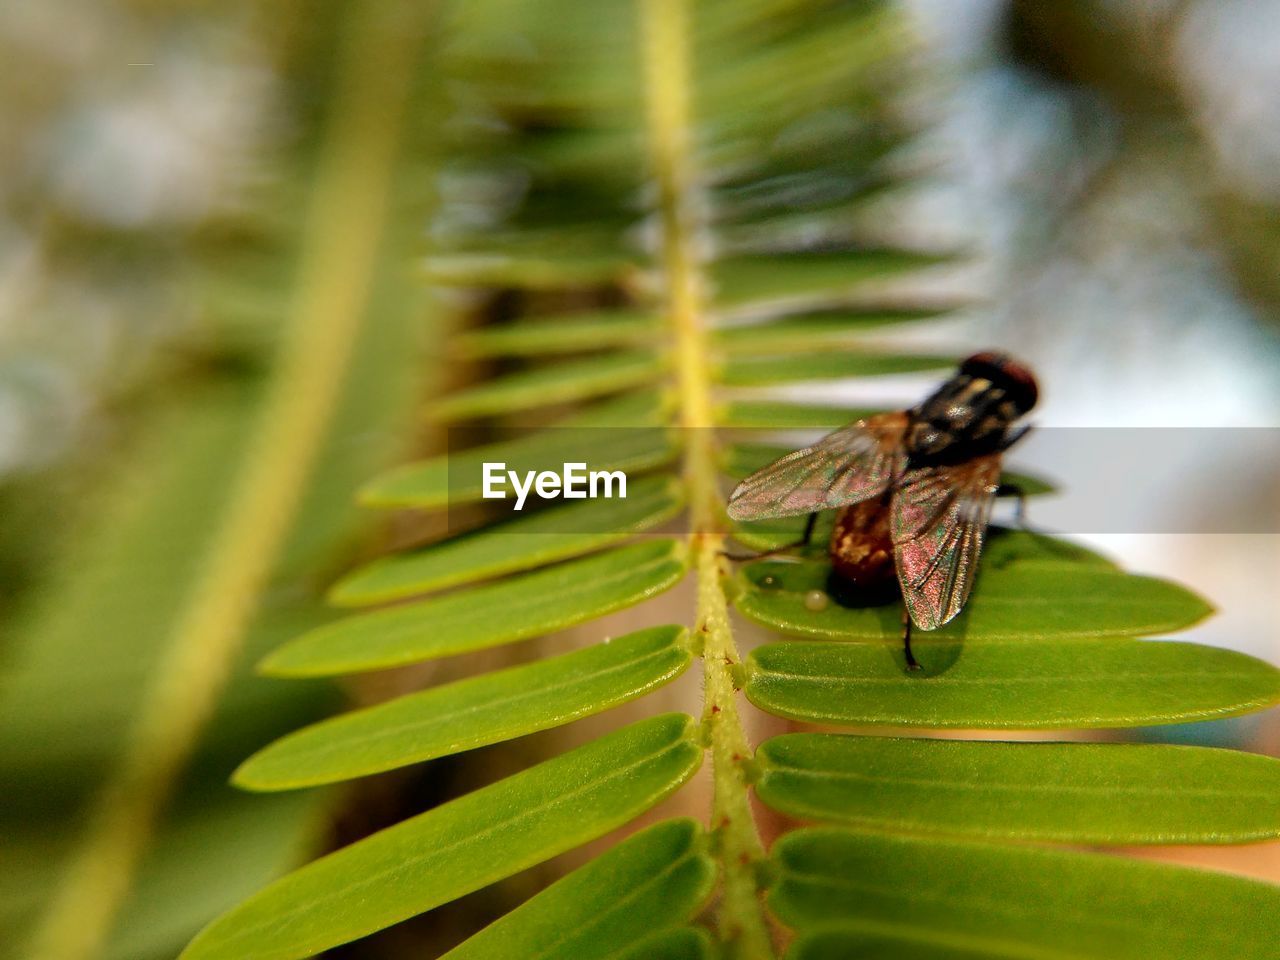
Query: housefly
x=914, y=489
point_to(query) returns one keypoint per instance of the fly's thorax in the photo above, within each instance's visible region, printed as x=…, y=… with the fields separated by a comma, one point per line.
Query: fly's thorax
x=967, y=417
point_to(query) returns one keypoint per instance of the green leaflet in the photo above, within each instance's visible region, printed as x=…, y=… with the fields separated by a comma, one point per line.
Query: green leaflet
x=1001, y=898
x=471, y=713
x=517, y=608
x=1020, y=684
x=824, y=365
x=561, y=228
x=1005, y=545
x=812, y=331
x=871, y=941
x=459, y=847
x=458, y=477
x=552, y=383
x=828, y=143
x=1031, y=486
x=809, y=277
x=555, y=533
x=684, y=943
x=820, y=57
x=784, y=415
x=517, y=268
x=1031, y=601
x=659, y=877
x=766, y=230
x=1072, y=792
x=605, y=155
x=567, y=334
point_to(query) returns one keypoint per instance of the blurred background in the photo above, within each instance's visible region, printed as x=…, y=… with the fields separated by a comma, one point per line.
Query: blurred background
x=1113, y=167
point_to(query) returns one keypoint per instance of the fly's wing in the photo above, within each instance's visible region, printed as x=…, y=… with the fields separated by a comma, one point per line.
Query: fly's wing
x=855, y=463
x=939, y=517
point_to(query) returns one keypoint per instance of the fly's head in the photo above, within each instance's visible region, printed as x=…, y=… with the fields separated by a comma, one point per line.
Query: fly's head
x=1014, y=380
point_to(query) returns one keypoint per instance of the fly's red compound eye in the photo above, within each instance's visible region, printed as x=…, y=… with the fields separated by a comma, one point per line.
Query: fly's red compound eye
x=1007, y=373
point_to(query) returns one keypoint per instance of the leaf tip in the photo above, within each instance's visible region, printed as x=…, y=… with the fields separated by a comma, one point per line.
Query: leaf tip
x=371, y=495
x=347, y=592
x=246, y=777
x=280, y=664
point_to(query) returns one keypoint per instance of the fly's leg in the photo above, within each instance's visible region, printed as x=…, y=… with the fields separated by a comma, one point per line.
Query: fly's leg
x=1012, y=489
x=912, y=663
x=1015, y=436
x=808, y=531
x=1020, y=509
x=802, y=542
x=1020, y=516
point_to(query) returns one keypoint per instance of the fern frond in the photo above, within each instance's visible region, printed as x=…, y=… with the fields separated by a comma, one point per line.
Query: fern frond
x=642, y=181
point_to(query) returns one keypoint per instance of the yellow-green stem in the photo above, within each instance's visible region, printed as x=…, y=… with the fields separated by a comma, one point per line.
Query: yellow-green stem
x=347, y=220
x=668, y=81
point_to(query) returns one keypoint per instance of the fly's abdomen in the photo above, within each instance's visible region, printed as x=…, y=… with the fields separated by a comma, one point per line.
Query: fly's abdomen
x=862, y=551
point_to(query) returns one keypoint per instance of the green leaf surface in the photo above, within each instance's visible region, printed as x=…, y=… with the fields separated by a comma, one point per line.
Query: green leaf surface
x=786, y=415
x=1006, y=545
x=657, y=878
x=812, y=331
x=1014, y=602
x=459, y=847
x=870, y=942
x=810, y=277
x=683, y=943
x=517, y=608
x=556, y=533
x=600, y=154
x=528, y=271
x=552, y=383
x=1021, y=684
x=818, y=60
x=1029, y=484
x=458, y=477
x=639, y=408
x=471, y=713
x=1003, y=899
x=567, y=334
x=752, y=371
x=770, y=227
x=1071, y=792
